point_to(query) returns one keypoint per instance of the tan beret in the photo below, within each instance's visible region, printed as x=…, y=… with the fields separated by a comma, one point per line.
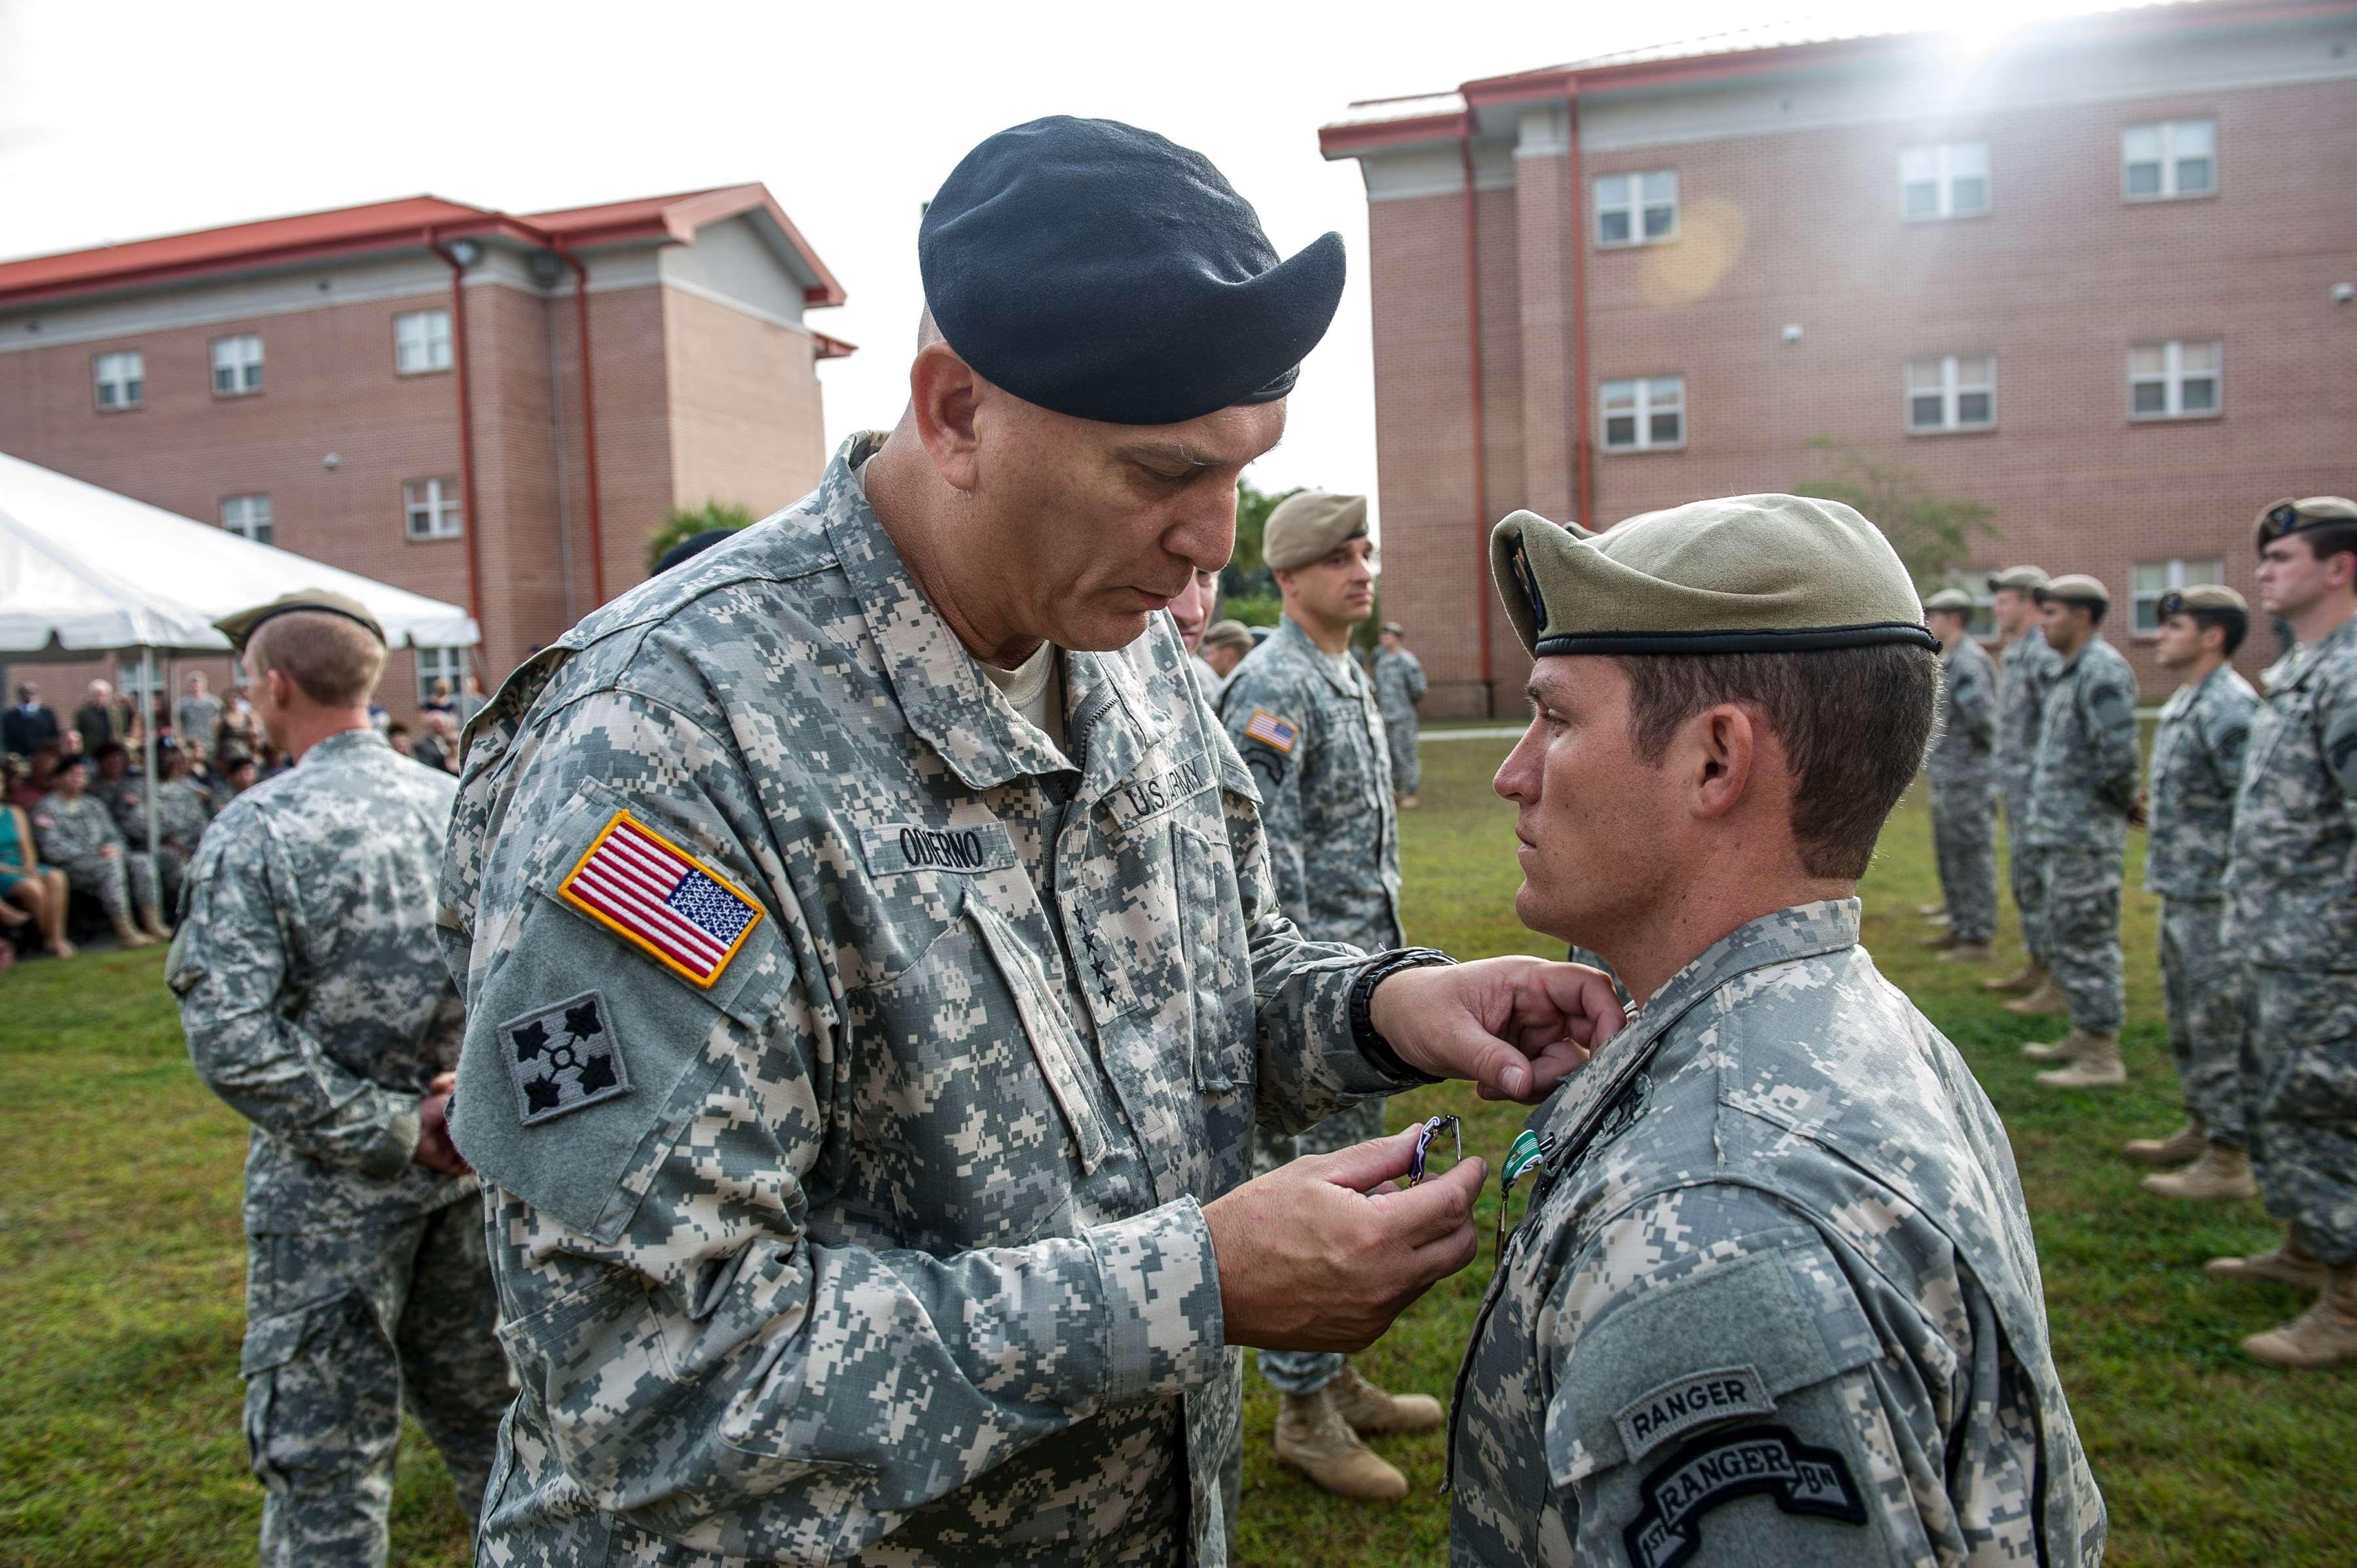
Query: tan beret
x=1741, y=575
x=1955, y=599
x=2290, y=516
x=1222, y=633
x=2073, y=589
x=2027, y=578
x=2202, y=596
x=1395, y=628
x=1310, y=527
x=243, y=625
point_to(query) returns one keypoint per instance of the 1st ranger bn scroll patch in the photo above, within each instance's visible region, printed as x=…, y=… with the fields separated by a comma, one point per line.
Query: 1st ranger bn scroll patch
x=1272, y=751
x=654, y=894
x=1721, y=1466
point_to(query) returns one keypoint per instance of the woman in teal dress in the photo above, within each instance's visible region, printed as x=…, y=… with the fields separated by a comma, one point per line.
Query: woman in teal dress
x=29, y=890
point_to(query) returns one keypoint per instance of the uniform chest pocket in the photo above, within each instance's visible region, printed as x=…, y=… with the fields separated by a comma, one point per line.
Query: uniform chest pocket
x=1217, y=968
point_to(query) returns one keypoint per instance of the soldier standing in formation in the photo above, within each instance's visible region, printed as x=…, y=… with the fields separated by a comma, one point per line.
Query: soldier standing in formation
x=78, y=835
x=2021, y=687
x=2292, y=916
x=2197, y=769
x=873, y=973
x=316, y=1003
x=2082, y=795
x=1399, y=687
x=1775, y=1300
x=1225, y=647
x=1305, y=719
x=1964, y=806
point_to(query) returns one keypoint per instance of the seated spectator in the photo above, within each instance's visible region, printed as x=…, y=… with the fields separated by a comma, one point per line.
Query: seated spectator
x=34, y=780
x=112, y=760
x=28, y=889
x=183, y=811
x=438, y=746
x=437, y=699
x=396, y=734
x=238, y=773
x=78, y=835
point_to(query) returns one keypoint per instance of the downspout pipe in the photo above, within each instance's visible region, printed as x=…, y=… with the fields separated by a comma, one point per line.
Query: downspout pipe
x=473, y=517
x=1480, y=442
x=588, y=418
x=1583, y=398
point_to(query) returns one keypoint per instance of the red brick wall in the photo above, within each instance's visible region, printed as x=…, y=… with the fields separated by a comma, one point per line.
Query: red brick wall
x=744, y=417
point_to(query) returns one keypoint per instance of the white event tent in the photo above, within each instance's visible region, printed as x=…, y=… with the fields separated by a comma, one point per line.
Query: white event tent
x=84, y=571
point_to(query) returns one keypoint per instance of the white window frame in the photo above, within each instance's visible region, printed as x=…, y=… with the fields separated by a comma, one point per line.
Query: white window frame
x=440, y=664
x=247, y=516
x=421, y=342
x=1632, y=206
x=1949, y=161
x=119, y=379
x=2144, y=600
x=128, y=683
x=2169, y=132
x=1647, y=403
x=1953, y=388
x=239, y=355
x=435, y=502
x=2172, y=379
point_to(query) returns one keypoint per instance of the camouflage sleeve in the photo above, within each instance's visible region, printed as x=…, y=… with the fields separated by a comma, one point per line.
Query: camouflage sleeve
x=2337, y=713
x=2110, y=702
x=690, y=1337
x=1972, y=710
x=1721, y=1390
x=230, y=968
x=1270, y=734
x=1416, y=685
x=2228, y=737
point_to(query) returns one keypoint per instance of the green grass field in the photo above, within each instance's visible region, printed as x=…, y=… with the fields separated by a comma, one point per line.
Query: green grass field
x=120, y=1269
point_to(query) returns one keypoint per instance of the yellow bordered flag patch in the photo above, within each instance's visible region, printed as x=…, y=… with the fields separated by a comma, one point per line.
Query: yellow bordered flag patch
x=1271, y=731
x=646, y=889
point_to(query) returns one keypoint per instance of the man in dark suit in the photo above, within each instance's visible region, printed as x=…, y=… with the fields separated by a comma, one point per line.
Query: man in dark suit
x=29, y=726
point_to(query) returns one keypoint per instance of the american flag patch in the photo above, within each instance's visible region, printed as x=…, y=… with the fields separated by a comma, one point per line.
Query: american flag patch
x=1269, y=730
x=639, y=884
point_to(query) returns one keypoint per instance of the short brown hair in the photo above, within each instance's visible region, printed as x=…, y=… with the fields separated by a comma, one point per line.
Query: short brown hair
x=333, y=658
x=2325, y=542
x=1854, y=723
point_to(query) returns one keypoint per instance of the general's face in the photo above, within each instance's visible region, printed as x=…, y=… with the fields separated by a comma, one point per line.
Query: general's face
x=2179, y=644
x=1590, y=813
x=1192, y=609
x=2291, y=580
x=1340, y=589
x=1098, y=526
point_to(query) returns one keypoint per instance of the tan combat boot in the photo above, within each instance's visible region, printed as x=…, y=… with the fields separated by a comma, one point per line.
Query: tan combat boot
x=2032, y=976
x=2220, y=1174
x=2050, y=1052
x=1372, y=1412
x=1968, y=953
x=1930, y=910
x=2188, y=1142
x=2323, y=1336
x=152, y=922
x=2044, y=1000
x=2096, y=1063
x=2287, y=1262
x=129, y=934
x=1408, y=802
x=1313, y=1438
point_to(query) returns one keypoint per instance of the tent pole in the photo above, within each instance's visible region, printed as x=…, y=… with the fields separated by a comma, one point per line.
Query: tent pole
x=148, y=680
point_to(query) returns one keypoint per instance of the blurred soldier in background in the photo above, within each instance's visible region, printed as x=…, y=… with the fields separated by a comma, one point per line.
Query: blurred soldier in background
x=1399, y=687
x=78, y=835
x=1225, y=647
x=1963, y=807
x=2021, y=689
x=2083, y=793
x=2290, y=915
x=2197, y=767
x=316, y=1003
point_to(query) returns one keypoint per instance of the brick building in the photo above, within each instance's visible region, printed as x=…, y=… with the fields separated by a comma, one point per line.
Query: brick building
x=401, y=390
x=2095, y=275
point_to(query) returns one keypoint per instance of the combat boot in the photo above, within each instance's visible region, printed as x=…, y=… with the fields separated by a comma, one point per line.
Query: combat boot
x=2049, y=1051
x=1968, y=953
x=1928, y=910
x=2220, y=1174
x=2046, y=1000
x=1408, y=802
x=2287, y=1262
x=1371, y=1411
x=1313, y=1438
x=129, y=934
x=2096, y=1063
x=2032, y=976
x=2188, y=1142
x=152, y=922
x=2323, y=1336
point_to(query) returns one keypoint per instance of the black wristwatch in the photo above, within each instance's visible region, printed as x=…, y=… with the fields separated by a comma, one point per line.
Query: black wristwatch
x=1377, y=1049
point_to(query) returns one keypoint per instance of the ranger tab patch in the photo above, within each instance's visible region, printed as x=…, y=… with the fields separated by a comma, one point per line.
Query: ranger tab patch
x=651, y=893
x=1723, y=1466
x=562, y=1058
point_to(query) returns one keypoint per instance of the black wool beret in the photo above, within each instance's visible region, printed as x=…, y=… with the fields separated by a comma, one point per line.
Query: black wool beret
x=1104, y=273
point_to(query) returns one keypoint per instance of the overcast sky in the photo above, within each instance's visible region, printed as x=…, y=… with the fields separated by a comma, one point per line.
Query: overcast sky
x=131, y=118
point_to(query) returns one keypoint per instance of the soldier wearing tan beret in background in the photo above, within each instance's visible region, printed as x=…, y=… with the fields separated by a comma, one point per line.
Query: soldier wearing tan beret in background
x=1225, y=643
x=1964, y=804
x=1774, y=1300
x=2028, y=665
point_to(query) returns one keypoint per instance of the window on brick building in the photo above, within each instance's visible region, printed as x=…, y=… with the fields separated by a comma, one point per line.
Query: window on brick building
x=431, y=505
x=2154, y=578
x=2174, y=381
x=440, y=664
x=1644, y=413
x=1952, y=391
x=120, y=378
x=247, y=516
x=421, y=341
x=237, y=365
x=2168, y=158
x=1637, y=209
x=1950, y=179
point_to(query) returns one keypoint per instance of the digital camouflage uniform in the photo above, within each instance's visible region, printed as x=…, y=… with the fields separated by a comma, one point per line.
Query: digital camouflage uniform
x=2030, y=664
x=75, y=835
x=316, y=1003
x=886, y=1243
x=1399, y=687
x=183, y=811
x=1309, y=727
x=1775, y=1301
x=1963, y=809
x=2197, y=767
x=2292, y=916
x=2083, y=785
x=196, y=718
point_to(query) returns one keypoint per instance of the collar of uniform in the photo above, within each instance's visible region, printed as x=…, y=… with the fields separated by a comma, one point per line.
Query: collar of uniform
x=342, y=741
x=1293, y=634
x=943, y=694
x=1114, y=715
x=2294, y=667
